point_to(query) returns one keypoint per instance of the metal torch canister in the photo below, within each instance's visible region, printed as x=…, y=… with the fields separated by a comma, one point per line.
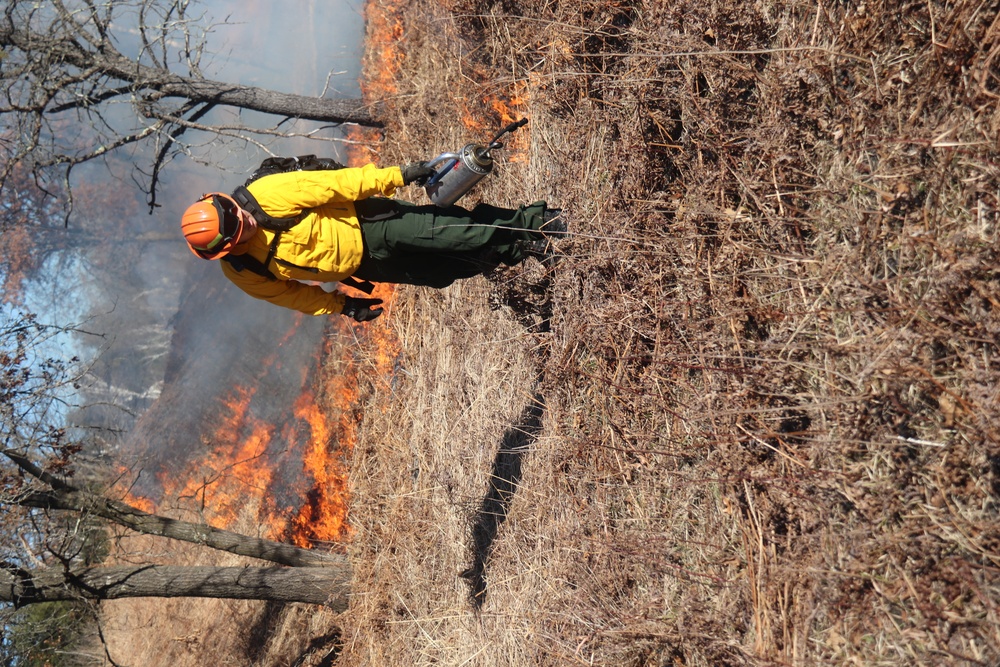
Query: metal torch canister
x=458, y=173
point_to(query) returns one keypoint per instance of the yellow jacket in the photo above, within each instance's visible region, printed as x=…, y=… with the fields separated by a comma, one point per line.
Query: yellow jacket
x=325, y=246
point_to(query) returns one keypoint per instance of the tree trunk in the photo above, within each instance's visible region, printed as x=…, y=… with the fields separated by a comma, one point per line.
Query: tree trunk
x=159, y=83
x=328, y=586
x=199, y=533
x=271, y=101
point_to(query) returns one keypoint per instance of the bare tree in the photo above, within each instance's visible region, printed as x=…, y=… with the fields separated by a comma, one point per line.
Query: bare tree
x=52, y=529
x=63, y=70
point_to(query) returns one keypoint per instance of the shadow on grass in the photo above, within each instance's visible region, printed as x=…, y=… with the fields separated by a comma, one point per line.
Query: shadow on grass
x=503, y=483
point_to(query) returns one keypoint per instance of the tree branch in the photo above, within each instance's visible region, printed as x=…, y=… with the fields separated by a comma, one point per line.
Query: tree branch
x=38, y=473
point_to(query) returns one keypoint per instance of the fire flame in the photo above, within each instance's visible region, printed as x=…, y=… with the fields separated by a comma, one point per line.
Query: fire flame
x=384, y=22
x=324, y=515
x=244, y=456
x=507, y=110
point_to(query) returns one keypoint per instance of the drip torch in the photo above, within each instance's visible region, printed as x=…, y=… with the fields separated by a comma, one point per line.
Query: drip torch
x=460, y=171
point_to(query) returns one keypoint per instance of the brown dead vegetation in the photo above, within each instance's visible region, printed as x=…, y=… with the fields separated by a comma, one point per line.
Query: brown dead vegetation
x=770, y=373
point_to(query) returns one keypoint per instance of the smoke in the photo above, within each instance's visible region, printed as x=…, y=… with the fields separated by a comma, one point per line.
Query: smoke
x=224, y=344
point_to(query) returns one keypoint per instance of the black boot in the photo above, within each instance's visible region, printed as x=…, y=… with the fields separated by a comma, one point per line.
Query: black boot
x=541, y=248
x=553, y=222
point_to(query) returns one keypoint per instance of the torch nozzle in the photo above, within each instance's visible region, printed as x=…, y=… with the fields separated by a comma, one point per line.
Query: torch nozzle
x=510, y=128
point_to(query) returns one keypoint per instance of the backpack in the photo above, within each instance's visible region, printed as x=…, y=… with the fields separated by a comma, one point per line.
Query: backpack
x=280, y=165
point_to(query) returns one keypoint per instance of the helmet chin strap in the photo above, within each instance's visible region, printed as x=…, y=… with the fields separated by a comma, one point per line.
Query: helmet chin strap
x=246, y=233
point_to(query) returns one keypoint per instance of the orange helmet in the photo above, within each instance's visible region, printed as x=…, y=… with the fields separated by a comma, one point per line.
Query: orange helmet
x=213, y=225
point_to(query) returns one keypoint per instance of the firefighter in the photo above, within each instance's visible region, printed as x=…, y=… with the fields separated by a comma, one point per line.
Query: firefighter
x=341, y=226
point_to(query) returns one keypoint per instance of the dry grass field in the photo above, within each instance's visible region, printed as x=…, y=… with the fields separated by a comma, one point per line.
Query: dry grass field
x=764, y=374
x=751, y=416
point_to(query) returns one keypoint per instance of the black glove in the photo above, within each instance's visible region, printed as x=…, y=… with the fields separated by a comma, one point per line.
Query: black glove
x=361, y=309
x=416, y=172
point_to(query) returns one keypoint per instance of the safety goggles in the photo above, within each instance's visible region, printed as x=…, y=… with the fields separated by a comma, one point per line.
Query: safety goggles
x=229, y=222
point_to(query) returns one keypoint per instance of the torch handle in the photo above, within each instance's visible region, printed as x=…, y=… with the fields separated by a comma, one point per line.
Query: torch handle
x=450, y=158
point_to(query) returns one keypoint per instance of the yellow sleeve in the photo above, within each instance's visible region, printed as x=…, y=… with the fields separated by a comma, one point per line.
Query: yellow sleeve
x=308, y=299
x=353, y=184
x=288, y=194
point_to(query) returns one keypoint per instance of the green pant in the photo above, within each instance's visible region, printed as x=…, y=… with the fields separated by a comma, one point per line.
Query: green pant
x=433, y=246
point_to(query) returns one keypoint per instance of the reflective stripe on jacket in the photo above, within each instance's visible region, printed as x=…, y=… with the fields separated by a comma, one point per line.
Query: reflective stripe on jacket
x=325, y=246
